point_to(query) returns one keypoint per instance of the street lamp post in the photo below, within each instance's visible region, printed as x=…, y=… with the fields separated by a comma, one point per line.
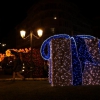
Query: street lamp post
x=22, y=33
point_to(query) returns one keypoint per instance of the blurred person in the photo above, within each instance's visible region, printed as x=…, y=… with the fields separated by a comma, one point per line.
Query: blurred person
x=17, y=67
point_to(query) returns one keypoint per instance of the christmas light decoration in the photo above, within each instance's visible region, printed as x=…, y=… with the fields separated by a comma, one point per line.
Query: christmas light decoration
x=91, y=73
x=72, y=59
x=59, y=57
x=76, y=64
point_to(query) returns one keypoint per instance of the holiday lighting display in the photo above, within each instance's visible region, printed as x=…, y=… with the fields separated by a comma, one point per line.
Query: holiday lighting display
x=59, y=57
x=76, y=64
x=91, y=73
x=61, y=62
x=73, y=60
x=25, y=56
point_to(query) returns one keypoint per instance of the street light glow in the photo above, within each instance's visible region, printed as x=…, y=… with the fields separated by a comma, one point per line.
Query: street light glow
x=22, y=33
x=40, y=32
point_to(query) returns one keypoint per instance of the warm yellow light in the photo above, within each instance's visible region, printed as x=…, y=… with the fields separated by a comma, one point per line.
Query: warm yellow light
x=3, y=45
x=8, y=53
x=22, y=33
x=40, y=32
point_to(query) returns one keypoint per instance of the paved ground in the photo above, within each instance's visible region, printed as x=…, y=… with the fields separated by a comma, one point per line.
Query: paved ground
x=40, y=89
x=4, y=76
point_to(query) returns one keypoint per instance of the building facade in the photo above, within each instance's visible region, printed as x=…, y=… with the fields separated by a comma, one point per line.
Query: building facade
x=96, y=26
x=54, y=17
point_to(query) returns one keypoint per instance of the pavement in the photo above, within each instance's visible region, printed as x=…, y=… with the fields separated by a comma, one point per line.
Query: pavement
x=42, y=90
x=7, y=77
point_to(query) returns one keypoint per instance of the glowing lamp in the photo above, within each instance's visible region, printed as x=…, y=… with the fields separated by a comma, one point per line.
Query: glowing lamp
x=22, y=33
x=40, y=32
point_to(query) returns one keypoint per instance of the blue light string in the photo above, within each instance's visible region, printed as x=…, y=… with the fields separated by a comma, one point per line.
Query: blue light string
x=89, y=56
x=47, y=43
x=80, y=54
x=99, y=45
x=82, y=51
x=86, y=36
x=76, y=65
x=43, y=48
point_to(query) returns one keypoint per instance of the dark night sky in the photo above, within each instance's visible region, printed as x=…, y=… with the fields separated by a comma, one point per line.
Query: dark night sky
x=13, y=12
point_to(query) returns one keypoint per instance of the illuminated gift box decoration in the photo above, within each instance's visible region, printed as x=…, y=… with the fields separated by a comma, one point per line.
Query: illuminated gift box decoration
x=59, y=56
x=91, y=72
x=69, y=59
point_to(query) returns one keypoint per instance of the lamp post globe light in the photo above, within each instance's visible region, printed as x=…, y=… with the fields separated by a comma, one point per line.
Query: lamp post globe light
x=22, y=33
x=31, y=35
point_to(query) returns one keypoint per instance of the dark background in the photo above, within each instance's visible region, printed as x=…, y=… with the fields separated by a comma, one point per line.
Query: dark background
x=12, y=12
